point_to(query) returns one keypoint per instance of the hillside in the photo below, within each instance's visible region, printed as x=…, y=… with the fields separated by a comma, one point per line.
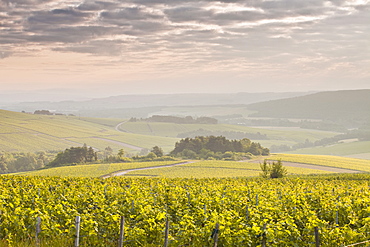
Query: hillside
x=21, y=132
x=350, y=108
x=126, y=106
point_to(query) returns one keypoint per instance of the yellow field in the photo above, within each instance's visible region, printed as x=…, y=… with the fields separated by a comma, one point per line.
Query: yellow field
x=94, y=170
x=216, y=169
x=325, y=160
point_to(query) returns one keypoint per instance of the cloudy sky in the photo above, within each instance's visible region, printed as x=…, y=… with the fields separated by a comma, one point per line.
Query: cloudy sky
x=170, y=46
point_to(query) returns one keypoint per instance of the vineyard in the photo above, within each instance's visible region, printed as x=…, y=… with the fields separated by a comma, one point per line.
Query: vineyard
x=216, y=169
x=282, y=212
x=326, y=160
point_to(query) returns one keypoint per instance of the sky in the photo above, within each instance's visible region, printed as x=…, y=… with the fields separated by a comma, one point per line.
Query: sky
x=113, y=47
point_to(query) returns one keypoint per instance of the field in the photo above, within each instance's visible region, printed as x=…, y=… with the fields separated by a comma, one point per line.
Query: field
x=276, y=136
x=281, y=212
x=94, y=170
x=209, y=168
x=326, y=160
x=341, y=149
x=20, y=132
x=216, y=169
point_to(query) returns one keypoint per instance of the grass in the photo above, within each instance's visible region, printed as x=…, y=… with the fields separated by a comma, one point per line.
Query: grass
x=326, y=160
x=110, y=122
x=94, y=170
x=20, y=132
x=216, y=169
x=289, y=136
x=340, y=149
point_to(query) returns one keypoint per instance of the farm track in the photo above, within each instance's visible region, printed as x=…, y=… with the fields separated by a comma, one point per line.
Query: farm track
x=117, y=128
x=122, y=173
x=312, y=166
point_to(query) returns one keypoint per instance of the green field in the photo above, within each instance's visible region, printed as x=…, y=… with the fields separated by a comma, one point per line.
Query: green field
x=276, y=136
x=21, y=132
x=340, y=149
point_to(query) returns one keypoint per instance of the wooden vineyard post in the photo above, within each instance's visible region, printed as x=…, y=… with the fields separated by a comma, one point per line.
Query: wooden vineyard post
x=78, y=222
x=317, y=237
x=166, y=232
x=264, y=235
x=121, y=231
x=38, y=230
x=214, y=235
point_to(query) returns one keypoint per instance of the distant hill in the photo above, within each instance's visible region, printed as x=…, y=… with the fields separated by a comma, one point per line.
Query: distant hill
x=350, y=107
x=143, y=105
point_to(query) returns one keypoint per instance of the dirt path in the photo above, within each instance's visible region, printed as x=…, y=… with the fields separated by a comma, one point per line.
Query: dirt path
x=119, y=125
x=122, y=173
x=311, y=166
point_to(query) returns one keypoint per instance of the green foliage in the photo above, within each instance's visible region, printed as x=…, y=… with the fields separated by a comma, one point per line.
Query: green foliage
x=19, y=162
x=74, y=155
x=216, y=147
x=157, y=151
x=290, y=209
x=274, y=170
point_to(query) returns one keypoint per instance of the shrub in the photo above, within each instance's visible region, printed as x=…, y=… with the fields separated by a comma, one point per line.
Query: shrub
x=274, y=170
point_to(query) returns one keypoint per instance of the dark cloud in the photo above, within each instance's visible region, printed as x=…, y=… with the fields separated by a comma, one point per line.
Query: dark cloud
x=57, y=17
x=132, y=14
x=97, y=6
x=185, y=14
x=228, y=27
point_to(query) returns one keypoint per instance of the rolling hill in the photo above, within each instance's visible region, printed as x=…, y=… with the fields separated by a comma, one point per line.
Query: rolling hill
x=350, y=107
x=22, y=132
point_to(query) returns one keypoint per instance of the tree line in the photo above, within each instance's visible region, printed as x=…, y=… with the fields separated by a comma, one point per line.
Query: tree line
x=19, y=162
x=178, y=120
x=200, y=147
x=205, y=147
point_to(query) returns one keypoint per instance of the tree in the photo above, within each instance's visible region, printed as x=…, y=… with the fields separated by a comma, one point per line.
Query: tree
x=157, y=151
x=151, y=156
x=74, y=155
x=121, y=153
x=91, y=155
x=274, y=170
x=108, y=151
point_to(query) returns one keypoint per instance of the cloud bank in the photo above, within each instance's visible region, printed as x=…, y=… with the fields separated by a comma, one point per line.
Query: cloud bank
x=270, y=37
